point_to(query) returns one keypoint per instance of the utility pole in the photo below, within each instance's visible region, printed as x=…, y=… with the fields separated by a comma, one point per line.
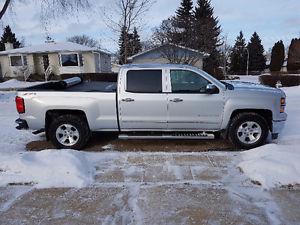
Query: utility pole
x=248, y=59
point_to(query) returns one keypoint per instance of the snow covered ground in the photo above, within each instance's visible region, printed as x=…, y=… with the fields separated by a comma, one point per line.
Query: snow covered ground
x=249, y=78
x=13, y=83
x=148, y=188
x=278, y=164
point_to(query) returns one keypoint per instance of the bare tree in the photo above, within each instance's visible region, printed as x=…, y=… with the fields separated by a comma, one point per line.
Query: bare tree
x=225, y=52
x=84, y=40
x=163, y=38
x=123, y=16
x=125, y=13
x=164, y=34
x=51, y=8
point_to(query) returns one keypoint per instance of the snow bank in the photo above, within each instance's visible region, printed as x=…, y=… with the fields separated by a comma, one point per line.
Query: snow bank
x=13, y=83
x=278, y=164
x=249, y=78
x=273, y=165
x=49, y=168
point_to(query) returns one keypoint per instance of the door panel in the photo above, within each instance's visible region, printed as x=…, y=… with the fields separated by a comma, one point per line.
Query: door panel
x=195, y=111
x=189, y=107
x=143, y=105
x=143, y=111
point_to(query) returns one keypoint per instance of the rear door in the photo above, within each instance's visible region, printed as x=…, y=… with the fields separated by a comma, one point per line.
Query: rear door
x=190, y=108
x=142, y=102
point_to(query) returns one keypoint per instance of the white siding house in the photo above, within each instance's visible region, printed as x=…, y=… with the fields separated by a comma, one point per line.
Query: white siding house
x=53, y=57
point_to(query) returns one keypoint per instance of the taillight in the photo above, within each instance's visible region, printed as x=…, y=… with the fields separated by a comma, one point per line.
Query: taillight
x=282, y=105
x=20, y=105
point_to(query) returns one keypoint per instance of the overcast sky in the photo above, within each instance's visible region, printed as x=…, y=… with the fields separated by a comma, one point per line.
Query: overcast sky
x=271, y=19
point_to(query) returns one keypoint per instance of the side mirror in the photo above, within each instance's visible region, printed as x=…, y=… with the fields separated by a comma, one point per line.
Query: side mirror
x=211, y=89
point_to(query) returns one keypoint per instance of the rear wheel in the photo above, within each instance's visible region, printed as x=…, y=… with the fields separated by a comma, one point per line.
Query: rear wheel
x=69, y=132
x=248, y=130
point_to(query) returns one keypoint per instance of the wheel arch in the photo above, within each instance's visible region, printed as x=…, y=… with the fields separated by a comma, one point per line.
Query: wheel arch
x=265, y=113
x=51, y=114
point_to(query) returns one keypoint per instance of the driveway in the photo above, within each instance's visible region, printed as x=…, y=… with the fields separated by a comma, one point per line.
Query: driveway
x=102, y=141
x=155, y=188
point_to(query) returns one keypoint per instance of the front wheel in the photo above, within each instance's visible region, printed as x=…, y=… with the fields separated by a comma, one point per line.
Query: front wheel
x=69, y=132
x=248, y=130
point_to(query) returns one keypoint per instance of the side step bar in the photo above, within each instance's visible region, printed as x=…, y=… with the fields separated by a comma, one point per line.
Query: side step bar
x=182, y=136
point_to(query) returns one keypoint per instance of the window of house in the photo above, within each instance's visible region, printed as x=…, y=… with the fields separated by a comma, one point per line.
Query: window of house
x=16, y=60
x=144, y=81
x=184, y=81
x=69, y=60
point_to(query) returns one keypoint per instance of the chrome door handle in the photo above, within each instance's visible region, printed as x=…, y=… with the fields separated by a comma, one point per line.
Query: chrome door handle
x=176, y=100
x=127, y=100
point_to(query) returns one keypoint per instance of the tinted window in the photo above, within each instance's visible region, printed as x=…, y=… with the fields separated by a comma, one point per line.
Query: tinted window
x=144, y=81
x=184, y=81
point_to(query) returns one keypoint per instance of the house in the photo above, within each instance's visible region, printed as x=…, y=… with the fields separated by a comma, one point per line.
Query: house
x=53, y=57
x=170, y=53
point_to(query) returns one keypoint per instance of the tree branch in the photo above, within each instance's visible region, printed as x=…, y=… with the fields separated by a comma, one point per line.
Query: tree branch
x=4, y=8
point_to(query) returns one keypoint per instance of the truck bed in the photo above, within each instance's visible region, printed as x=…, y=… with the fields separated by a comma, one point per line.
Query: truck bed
x=86, y=86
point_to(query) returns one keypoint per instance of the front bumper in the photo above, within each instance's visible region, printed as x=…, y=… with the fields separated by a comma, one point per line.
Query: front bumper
x=22, y=124
x=277, y=127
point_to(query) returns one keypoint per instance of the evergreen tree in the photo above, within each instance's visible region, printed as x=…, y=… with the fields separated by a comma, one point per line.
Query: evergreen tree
x=183, y=21
x=238, y=57
x=209, y=65
x=206, y=36
x=136, y=45
x=9, y=36
x=257, y=59
x=129, y=45
x=294, y=55
x=277, y=57
x=206, y=29
x=123, y=46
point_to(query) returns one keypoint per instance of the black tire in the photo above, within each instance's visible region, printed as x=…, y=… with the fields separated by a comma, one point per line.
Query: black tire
x=241, y=119
x=76, y=121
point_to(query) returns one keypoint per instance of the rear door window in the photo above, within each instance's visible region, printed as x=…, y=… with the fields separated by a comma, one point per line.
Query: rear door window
x=144, y=81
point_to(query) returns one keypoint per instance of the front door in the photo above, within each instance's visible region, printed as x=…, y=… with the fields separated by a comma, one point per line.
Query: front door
x=45, y=62
x=190, y=108
x=142, y=103
x=97, y=62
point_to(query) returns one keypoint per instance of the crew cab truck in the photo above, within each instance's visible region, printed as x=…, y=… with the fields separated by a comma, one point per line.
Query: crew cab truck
x=153, y=102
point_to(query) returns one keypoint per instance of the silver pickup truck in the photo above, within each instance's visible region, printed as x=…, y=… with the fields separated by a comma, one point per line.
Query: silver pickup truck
x=153, y=102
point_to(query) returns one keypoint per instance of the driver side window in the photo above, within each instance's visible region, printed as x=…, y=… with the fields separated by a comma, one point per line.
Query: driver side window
x=184, y=81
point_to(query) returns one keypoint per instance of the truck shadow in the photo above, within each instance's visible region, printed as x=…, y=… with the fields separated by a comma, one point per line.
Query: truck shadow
x=100, y=142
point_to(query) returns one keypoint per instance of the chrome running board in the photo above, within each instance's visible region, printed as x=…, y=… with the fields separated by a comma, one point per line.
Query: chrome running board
x=186, y=136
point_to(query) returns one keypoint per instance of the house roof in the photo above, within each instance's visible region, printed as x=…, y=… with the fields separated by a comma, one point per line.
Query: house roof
x=172, y=45
x=53, y=47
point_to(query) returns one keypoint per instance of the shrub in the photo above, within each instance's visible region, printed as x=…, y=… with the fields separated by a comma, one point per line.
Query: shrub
x=286, y=80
